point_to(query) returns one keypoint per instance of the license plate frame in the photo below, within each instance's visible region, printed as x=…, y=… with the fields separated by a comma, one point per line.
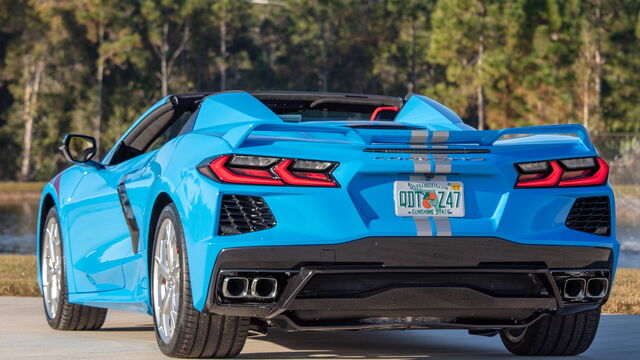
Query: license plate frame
x=429, y=198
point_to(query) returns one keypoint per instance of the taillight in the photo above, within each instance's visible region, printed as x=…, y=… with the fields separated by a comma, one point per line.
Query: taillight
x=262, y=170
x=587, y=171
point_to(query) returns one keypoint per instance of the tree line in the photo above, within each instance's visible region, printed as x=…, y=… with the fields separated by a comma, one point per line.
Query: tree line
x=93, y=66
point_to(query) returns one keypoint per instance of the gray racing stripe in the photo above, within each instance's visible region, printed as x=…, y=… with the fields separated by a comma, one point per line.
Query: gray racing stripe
x=443, y=163
x=419, y=137
x=443, y=224
x=421, y=165
x=423, y=226
x=440, y=136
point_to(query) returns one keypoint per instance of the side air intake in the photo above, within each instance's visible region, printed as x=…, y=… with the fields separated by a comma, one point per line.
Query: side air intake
x=240, y=214
x=591, y=215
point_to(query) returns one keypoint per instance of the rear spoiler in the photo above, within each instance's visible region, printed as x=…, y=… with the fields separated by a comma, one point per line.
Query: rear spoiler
x=489, y=137
x=237, y=135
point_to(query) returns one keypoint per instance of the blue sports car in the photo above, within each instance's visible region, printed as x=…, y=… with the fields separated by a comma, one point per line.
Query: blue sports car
x=224, y=213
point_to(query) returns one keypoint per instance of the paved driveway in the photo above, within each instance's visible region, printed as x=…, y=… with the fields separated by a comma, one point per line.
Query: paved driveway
x=24, y=334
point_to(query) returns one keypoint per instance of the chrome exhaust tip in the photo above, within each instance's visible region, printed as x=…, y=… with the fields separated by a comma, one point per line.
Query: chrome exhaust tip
x=235, y=287
x=264, y=288
x=597, y=288
x=574, y=288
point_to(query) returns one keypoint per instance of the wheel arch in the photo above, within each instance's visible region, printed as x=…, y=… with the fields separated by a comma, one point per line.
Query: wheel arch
x=47, y=202
x=162, y=199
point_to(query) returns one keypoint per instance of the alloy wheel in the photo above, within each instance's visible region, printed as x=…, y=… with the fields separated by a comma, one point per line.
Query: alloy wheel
x=166, y=280
x=51, y=267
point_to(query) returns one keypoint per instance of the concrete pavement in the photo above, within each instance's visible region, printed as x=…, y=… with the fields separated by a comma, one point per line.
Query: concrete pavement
x=24, y=334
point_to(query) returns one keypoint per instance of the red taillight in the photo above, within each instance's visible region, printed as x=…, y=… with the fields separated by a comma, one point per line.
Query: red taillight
x=257, y=170
x=594, y=177
x=220, y=169
x=566, y=172
x=283, y=172
x=548, y=180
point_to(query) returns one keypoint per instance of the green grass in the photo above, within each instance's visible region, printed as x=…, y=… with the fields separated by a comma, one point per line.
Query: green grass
x=18, y=278
x=18, y=275
x=625, y=295
x=20, y=191
x=13, y=186
x=629, y=190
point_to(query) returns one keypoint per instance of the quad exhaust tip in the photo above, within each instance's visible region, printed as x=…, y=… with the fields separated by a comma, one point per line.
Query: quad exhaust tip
x=264, y=288
x=235, y=287
x=238, y=287
x=597, y=287
x=574, y=288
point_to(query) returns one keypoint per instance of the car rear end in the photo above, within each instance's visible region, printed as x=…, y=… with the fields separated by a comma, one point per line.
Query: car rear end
x=410, y=228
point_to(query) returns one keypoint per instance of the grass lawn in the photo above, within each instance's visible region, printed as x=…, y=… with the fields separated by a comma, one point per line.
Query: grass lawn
x=13, y=186
x=18, y=275
x=18, y=278
x=16, y=191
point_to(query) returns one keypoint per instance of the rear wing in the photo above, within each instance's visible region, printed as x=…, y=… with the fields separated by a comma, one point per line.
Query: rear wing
x=489, y=137
x=237, y=135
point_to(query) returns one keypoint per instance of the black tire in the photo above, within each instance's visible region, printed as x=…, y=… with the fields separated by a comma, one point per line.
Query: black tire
x=555, y=335
x=70, y=316
x=196, y=334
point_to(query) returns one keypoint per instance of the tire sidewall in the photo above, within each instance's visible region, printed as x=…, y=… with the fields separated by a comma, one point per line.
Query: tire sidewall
x=55, y=321
x=170, y=212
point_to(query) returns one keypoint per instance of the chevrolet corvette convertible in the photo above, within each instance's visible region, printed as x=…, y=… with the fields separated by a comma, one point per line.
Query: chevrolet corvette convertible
x=223, y=213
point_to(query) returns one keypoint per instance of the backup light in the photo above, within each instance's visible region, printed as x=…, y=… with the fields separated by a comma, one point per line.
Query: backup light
x=534, y=167
x=311, y=165
x=579, y=163
x=262, y=170
x=252, y=161
x=589, y=171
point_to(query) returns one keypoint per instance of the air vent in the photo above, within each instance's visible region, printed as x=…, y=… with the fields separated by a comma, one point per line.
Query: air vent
x=427, y=151
x=591, y=215
x=240, y=214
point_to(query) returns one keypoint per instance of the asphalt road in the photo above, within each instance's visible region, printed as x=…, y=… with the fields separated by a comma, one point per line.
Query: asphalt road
x=24, y=334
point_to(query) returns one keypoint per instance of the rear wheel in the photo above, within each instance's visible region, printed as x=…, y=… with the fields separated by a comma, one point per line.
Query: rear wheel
x=61, y=314
x=554, y=335
x=181, y=330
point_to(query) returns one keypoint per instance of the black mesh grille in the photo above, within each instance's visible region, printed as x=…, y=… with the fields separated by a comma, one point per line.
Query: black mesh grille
x=591, y=215
x=241, y=214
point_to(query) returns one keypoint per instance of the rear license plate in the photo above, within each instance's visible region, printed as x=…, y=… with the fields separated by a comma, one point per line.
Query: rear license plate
x=429, y=198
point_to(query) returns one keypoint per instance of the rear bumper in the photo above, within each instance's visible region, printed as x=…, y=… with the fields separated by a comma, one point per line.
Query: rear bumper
x=409, y=282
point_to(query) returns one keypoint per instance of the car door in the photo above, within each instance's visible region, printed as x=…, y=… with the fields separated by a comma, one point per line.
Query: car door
x=102, y=226
x=98, y=230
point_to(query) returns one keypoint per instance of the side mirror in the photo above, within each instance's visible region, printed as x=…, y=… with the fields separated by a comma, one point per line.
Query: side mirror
x=79, y=149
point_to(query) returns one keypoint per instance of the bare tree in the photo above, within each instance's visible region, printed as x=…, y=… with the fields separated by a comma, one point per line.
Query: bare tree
x=32, y=73
x=168, y=57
